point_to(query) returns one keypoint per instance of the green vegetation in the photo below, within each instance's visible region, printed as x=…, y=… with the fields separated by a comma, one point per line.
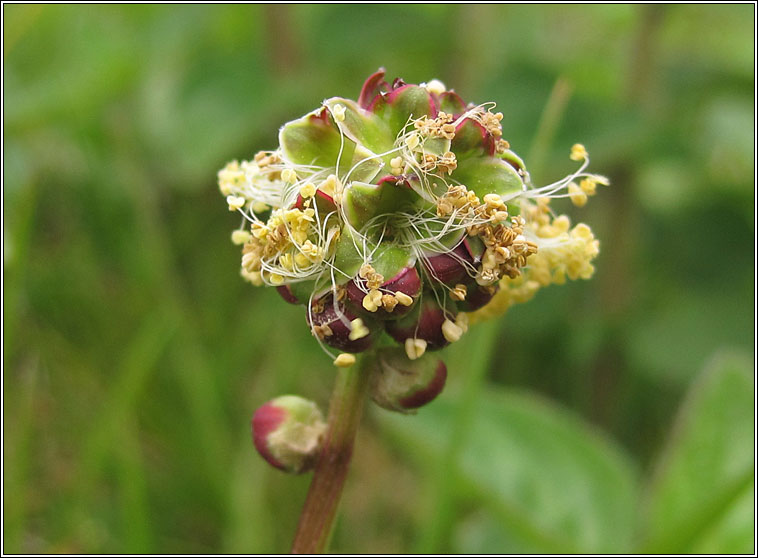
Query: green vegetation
x=611, y=415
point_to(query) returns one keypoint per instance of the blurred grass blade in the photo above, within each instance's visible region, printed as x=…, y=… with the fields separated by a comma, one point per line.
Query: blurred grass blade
x=704, y=478
x=551, y=481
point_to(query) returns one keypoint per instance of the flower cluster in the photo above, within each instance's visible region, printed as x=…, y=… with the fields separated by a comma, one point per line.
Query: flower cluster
x=403, y=213
x=400, y=213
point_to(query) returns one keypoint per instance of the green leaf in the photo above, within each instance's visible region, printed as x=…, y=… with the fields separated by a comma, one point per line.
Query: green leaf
x=703, y=480
x=549, y=479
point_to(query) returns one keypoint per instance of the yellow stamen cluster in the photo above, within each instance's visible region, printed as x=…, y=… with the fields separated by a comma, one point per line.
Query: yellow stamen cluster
x=490, y=121
x=506, y=252
x=565, y=253
x=373, y=279
x=322, y=331
x=281, y=243
x=440, y=127
x=375, y=299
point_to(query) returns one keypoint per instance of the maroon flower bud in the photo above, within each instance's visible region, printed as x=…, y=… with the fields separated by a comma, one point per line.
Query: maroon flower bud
x=401, y=384
x=423, y=323
x=287, y=432
x=477, y=296
x=341, y=326
x=451, y=267
x=407, y=282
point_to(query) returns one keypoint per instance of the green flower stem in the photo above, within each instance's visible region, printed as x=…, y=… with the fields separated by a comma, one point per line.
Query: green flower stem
x=323, y=498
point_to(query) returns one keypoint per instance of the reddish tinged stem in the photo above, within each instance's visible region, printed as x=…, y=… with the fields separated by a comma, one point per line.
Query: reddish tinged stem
x=323, y=498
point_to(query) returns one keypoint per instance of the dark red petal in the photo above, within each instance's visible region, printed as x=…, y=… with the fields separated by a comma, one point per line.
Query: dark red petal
x=372, y=87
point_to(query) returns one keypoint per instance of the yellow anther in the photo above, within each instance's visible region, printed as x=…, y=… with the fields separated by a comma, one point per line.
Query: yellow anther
x=289, y=175
x=412, y=141
x=578, y=152
x=308, y=190
x=344, y=360
x=275, y=279
x=415, y=348
x=241, y=237
x=301, y=260
x=285, y=260
x=338, y=111
x=235, y=202
x=459, y=292
x=494, y=201
x=358, y=330
x=451, y=331
x=562, y=223
x=403, y=298
x=588, y=185
x=577, y=195
x=582, y=231
x=389, y=302
x=372, y=301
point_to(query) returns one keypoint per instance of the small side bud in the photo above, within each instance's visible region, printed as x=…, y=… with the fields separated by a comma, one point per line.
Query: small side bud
x=287, y=432
x=403, y=385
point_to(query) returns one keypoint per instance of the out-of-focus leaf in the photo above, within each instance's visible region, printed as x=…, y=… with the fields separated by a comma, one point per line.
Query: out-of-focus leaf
x=703, y=483
x=548, y=478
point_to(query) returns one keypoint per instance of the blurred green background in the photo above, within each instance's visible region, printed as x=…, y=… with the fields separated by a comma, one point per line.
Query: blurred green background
x=611, y=415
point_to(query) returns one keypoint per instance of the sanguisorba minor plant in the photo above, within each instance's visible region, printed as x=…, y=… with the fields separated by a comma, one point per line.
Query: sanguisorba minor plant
x=393, y=220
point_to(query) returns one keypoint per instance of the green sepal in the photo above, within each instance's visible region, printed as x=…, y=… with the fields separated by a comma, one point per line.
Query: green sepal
x=451, y=103
x=488, y=175
x=362, y=201
x=361, y=126
x=436, y=146
x=404, y=102
x=388, y=259
x=312, y=140
x=470, y=140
